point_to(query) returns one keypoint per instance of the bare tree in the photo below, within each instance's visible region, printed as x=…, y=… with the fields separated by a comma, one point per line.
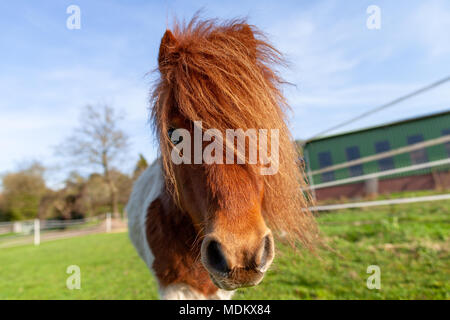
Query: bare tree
x=98, y=141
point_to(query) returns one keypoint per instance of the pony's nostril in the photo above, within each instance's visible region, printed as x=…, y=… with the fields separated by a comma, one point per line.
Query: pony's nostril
x=216, y=258
x=267, y=253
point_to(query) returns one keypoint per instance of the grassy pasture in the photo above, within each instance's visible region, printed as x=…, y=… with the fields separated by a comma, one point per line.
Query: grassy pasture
x=410, y=243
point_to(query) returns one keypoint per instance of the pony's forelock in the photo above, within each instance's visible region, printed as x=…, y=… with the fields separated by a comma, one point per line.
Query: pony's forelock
x=223, y=74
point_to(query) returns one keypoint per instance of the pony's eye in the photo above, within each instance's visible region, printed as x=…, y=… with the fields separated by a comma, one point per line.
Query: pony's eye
x=174, y=141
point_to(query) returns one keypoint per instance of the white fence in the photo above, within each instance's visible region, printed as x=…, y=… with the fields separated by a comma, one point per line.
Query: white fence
x=371, y=178
x=365, y=204
x=379, y=156
x=35, y=231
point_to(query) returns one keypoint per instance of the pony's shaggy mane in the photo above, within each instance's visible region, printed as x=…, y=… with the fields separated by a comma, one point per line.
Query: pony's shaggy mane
x=223, y=75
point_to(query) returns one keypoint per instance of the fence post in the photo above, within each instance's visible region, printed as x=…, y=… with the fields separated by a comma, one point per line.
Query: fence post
x=108, y=222
x=17, y=227
x=37, y=232
x=371, y=187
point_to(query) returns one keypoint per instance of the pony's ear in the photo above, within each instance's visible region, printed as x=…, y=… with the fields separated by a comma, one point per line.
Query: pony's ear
x=249, y=38
x=168, y=42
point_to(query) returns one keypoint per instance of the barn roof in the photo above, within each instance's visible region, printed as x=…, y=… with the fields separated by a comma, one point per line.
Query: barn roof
x=385, y=125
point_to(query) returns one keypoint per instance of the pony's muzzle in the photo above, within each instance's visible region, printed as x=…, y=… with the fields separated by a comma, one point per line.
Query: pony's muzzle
x=232, y=269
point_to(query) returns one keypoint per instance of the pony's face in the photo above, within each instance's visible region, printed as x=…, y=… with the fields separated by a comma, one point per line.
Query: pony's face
x=224, y=202
x=221, y=75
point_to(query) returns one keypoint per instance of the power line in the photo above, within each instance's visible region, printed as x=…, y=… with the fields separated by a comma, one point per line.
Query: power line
x=382, y=107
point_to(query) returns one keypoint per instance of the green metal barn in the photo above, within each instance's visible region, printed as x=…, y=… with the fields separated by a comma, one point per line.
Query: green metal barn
x=329, y=151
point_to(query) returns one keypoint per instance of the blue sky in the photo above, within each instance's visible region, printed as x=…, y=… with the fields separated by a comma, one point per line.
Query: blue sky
x=339, y=67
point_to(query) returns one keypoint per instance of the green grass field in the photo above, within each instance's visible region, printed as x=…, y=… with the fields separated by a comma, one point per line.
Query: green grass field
x=410, y=243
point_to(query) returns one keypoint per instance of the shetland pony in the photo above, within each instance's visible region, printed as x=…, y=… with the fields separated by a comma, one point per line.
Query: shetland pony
x=205, y=230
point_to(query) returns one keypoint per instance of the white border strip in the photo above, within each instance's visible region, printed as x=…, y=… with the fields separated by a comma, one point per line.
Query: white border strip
x=381, y=202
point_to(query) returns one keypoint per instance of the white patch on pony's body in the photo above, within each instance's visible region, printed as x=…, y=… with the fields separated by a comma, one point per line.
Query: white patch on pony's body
x=147, y=189
x=181, y=291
